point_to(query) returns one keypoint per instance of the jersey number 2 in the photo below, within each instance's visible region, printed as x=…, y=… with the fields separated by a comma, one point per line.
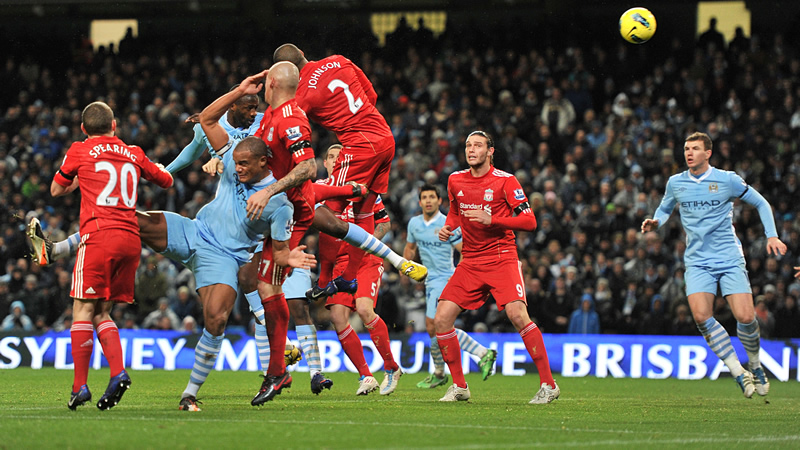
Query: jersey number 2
x=127, y=171
x=354, y=103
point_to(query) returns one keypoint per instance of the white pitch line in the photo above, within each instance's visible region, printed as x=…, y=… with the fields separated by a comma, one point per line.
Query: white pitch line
x=688, y=440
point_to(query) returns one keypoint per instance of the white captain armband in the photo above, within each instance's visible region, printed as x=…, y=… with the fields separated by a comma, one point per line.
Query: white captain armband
x=220, y=152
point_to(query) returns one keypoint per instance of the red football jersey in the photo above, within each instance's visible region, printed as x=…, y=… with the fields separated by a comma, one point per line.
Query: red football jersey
x=109, y=171
x=336, y=94
x=498, y=193
x=379, y=211
x=287, y=133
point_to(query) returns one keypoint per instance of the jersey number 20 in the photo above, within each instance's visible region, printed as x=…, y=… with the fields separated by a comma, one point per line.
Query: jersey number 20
x=126, y=171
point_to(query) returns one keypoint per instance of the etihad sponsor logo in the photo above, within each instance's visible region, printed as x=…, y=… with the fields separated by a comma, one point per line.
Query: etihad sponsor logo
x=701, y=203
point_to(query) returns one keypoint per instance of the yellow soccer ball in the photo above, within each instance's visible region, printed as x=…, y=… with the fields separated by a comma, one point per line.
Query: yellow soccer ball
x=637, y=25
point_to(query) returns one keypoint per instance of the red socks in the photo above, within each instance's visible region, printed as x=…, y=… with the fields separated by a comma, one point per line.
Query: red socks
x=82, y=334
x=276, y=314
x=108, y=334
x=380, y=337
x=353, y=349
x=532, y=337
x=365, y=218
x=451, y=353
x=328, y=251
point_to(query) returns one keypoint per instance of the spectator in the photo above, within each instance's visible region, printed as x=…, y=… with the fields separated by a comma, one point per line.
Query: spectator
x=584, y=320
x=17, y=320
x=155, y=318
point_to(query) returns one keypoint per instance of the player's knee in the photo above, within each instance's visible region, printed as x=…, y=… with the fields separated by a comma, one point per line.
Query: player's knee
x=365, y=312
x=442, y=324
x=300, y=312
x=215, y=323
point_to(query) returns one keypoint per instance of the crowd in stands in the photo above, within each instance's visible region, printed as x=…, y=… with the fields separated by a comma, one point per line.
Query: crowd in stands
x=592, y=132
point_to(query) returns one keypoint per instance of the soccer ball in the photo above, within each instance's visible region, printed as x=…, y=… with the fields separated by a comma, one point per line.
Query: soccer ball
x=637, y=25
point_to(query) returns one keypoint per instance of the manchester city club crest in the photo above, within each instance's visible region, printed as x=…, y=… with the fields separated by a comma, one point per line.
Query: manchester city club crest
x=713, y=188
x=488, y=195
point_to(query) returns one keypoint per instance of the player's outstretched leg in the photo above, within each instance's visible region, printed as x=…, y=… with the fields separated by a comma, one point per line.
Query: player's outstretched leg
x=116, y=387
x=750, y=337
x=79, y=398
x=548, y=389
x=438, y=377
x=307, y=335
x=473, y=347
x=41, y=246
x=205, y=356
x=358, y=237
x=720, y=343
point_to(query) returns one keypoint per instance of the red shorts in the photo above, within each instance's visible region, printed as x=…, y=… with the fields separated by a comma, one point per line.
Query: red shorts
x=471, y=284
x=368, y=163
x=370, y=273
x=105, y=266
x=268, y=271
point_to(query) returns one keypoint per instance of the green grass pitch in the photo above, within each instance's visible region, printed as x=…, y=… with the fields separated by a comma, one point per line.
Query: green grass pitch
x=592, y=412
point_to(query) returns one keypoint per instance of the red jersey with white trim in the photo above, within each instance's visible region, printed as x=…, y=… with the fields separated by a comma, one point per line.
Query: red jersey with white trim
x=499, y=194
x=336, y=94
x=379, y=211
x=287, y=133
x=109, y=172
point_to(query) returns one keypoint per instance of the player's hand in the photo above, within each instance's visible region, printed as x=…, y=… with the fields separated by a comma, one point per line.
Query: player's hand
x=214, y=166
x=477, y=215
x=253, y=84
x=445, y=232
x=300, y=259
x=359, y=191
x=257, y=202
x=194, y=118
x=797, y=272
x=649, y=225
x=775, y=246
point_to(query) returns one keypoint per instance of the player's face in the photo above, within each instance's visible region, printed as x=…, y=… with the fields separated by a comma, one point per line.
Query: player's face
x=478, y=151
x=429, y=202
x=250, y=168
x=244, y=111
x=696, y=156
x=330, y=159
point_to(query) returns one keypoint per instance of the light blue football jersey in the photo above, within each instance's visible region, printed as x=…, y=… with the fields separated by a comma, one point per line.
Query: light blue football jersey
x=436, y=255
x=200, y=142
x=224, y=222
x=705, y=203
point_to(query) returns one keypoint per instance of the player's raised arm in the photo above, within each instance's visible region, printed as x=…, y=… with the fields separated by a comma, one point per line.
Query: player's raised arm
x=191, y=152
x=156, y=173
x=209, y=117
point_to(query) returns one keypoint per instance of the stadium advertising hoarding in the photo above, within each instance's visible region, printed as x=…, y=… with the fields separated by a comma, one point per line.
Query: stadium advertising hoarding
x=683, y=357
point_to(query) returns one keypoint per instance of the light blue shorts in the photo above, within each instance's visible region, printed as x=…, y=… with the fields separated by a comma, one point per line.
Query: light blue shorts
x=731, y=280
x=433, y=290
x=206, y=261
x=297, y=284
